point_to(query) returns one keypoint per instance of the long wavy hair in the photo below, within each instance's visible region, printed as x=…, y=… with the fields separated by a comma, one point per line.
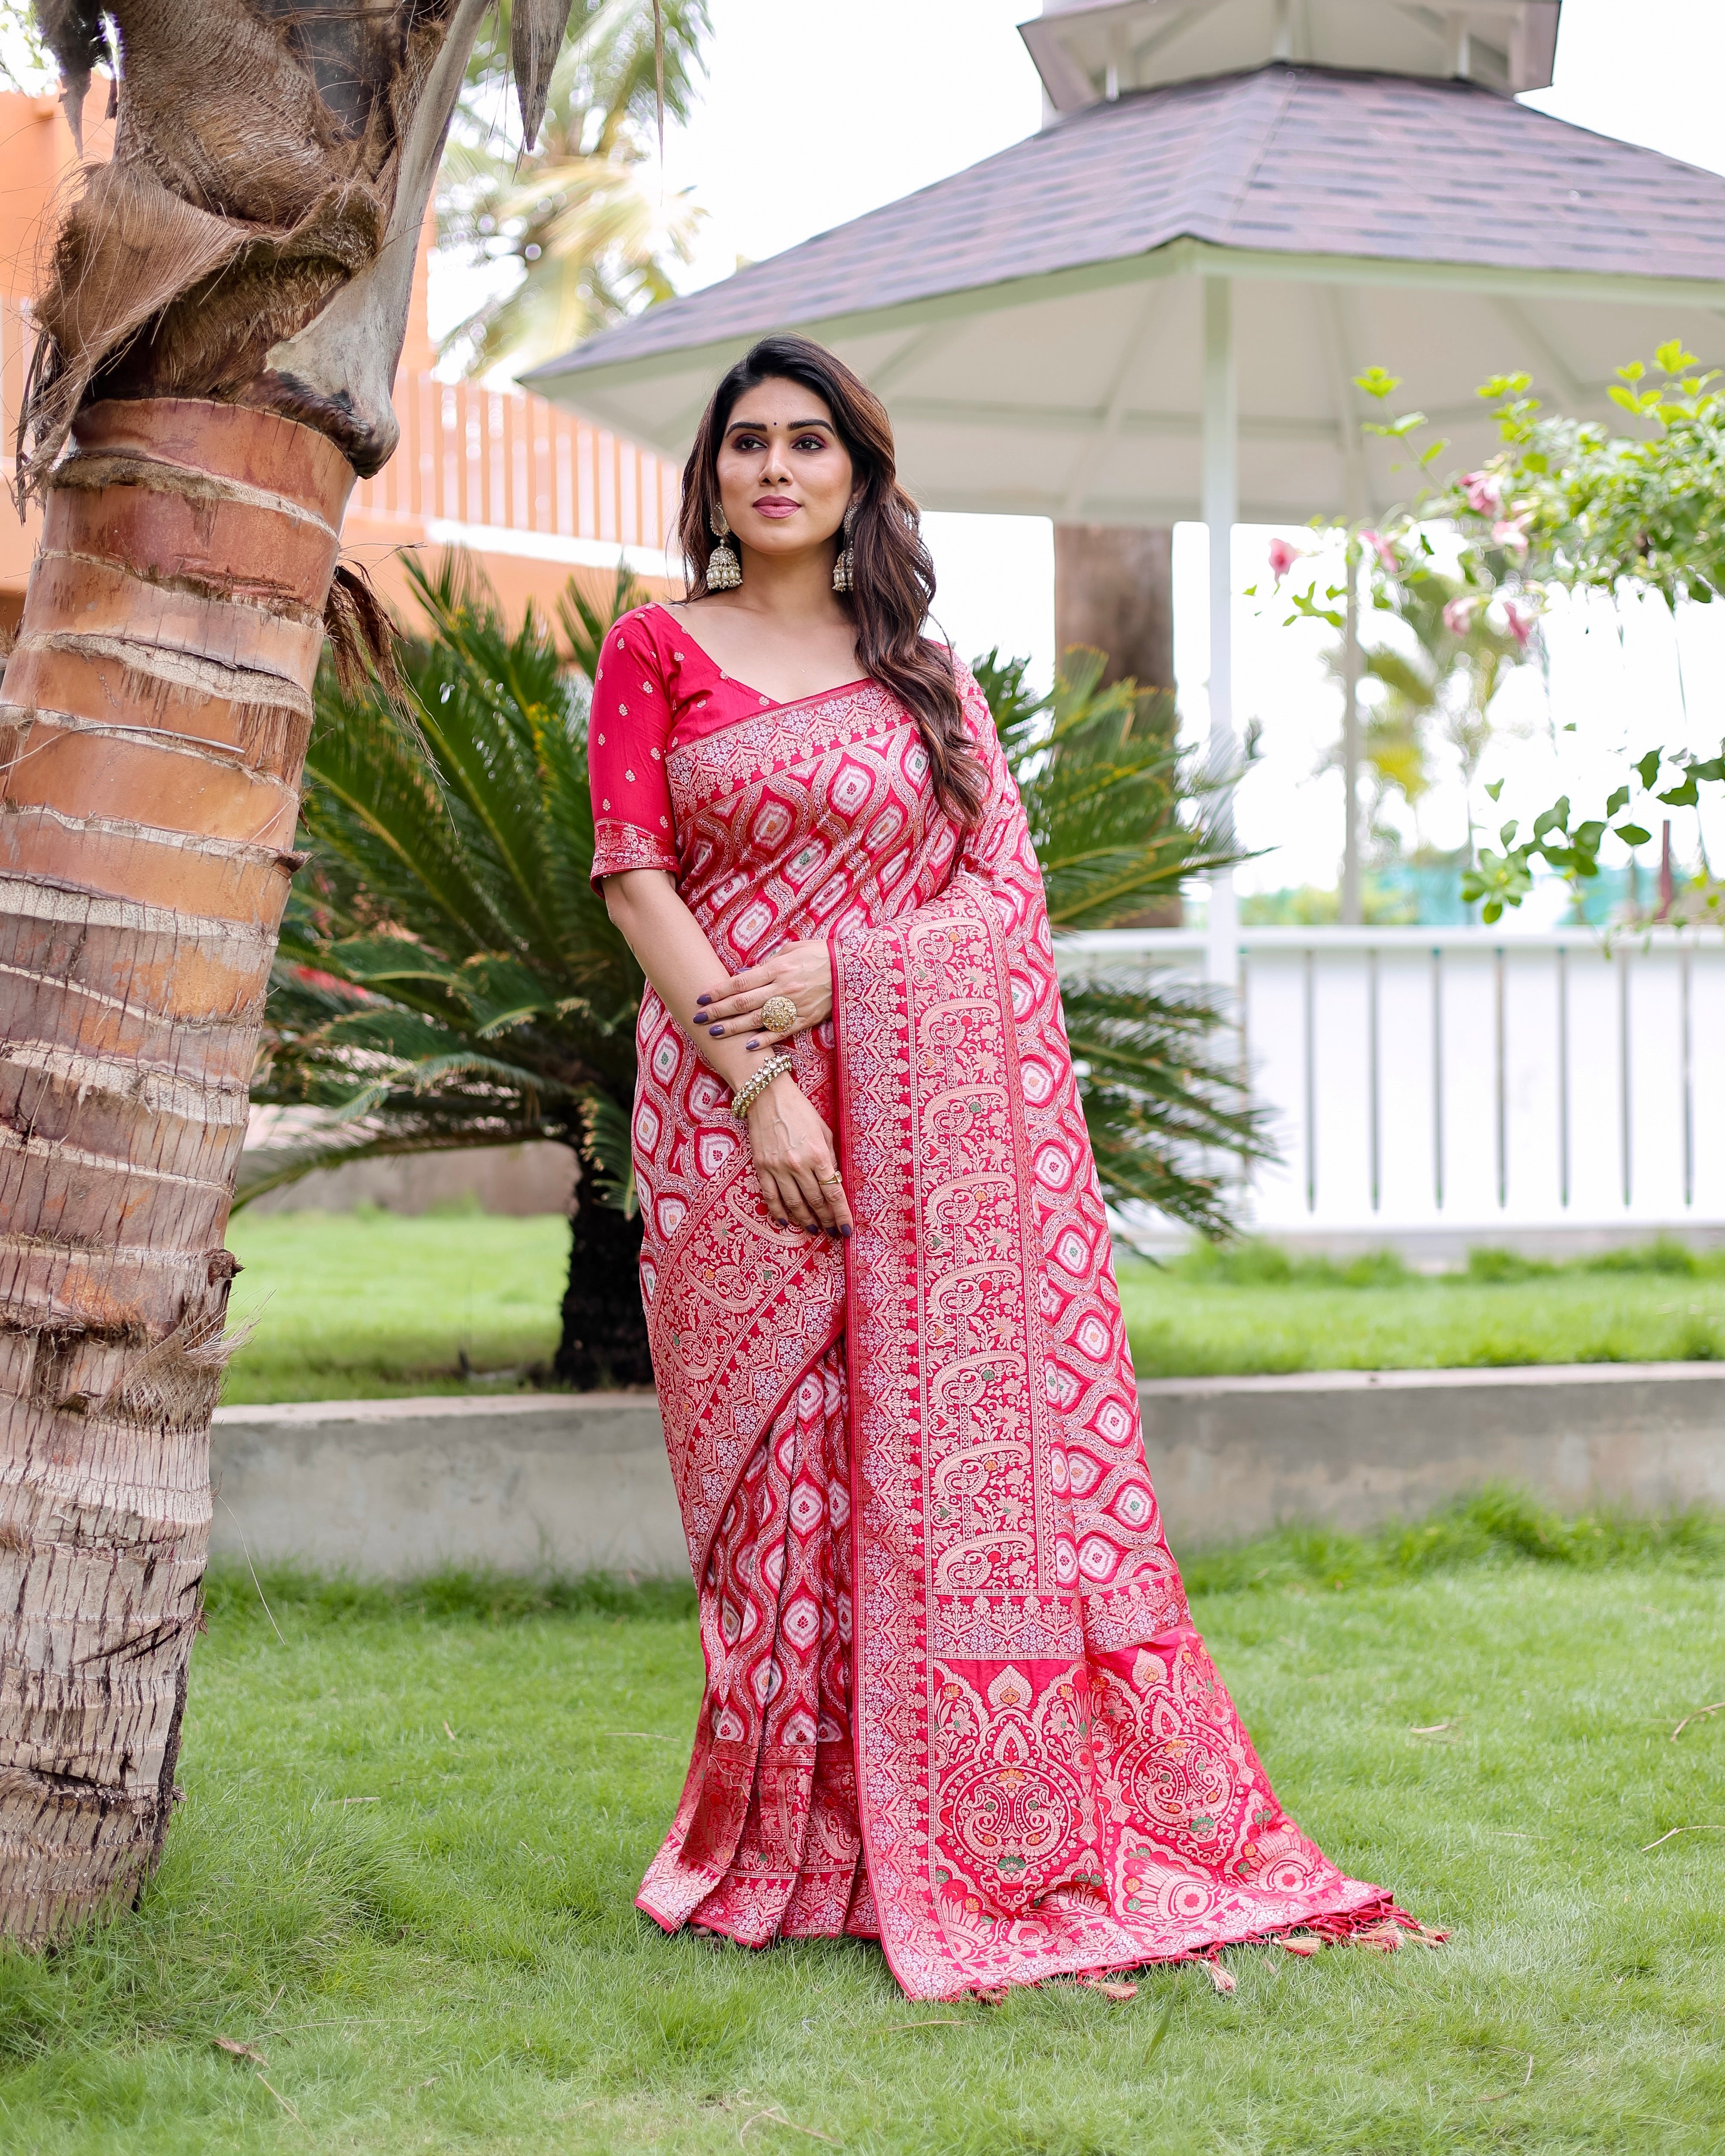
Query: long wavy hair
x=892, y=576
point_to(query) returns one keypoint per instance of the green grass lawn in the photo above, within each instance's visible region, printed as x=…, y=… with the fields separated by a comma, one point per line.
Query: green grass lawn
x=363, y=1304
x=1182, y=1327
x=414, y=1825
x=1249, y=1307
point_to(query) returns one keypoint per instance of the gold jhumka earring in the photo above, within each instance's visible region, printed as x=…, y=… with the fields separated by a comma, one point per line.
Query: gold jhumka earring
x=846, y=566
x=724, y=571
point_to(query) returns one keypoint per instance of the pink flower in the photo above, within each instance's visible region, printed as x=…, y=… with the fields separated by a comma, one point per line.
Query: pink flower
x=1512, y=533
x=1282, y=558
x=1484, y=491
x=1520, y=620
x=1458, y=616
x=1385, y=552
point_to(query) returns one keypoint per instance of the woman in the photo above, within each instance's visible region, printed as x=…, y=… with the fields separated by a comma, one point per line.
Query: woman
x=954, y=1698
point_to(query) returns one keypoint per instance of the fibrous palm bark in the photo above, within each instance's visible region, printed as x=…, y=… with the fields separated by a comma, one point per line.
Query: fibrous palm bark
x=154, y=717
x=220, y=328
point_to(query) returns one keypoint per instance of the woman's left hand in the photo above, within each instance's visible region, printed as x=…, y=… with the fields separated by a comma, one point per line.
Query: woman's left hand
x=803, y=973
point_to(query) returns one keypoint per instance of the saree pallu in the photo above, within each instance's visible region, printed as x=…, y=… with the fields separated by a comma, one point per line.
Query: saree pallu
x=954, y=1697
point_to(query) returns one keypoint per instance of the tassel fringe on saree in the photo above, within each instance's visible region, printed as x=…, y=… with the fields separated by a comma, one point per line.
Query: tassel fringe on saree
x=954, y=1698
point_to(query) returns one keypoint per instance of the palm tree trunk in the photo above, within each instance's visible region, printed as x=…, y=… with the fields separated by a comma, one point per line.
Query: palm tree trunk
x=604, y=1341
x=153, y=720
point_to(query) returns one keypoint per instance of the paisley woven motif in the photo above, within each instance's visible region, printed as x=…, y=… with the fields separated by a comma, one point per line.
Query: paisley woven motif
x=911, y=1469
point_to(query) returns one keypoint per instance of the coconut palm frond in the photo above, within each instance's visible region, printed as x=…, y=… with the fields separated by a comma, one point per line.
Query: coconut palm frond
x=585, y=223
x=596, y=240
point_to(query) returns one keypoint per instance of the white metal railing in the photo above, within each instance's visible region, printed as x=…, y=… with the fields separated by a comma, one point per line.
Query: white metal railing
x=1469, y=1080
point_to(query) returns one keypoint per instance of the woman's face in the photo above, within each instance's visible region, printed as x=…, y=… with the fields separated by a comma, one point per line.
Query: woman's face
x=785, y=478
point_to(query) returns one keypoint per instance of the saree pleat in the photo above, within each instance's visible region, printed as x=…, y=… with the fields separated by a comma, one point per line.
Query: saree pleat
x=767, y=1844
x=954, y=1696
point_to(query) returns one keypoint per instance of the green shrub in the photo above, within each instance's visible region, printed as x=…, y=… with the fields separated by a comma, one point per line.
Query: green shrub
x=1376, y=1269
x=1248, y=1263
x=1665, y=1254
x=1490, y=1266
x=1253, y=1262
x=456, y=1593
x=1499, y=1524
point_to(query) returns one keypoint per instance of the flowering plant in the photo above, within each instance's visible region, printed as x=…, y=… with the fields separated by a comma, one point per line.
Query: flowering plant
x=1566, y=504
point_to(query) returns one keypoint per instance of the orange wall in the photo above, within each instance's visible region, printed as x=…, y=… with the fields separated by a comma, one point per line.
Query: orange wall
x=37, y=159
x=537, y=495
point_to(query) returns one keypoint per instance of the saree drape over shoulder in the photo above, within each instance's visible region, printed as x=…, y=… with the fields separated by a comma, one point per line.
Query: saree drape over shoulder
x=954, y=1696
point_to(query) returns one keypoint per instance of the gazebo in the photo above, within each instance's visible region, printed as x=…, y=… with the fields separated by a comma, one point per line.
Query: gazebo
x=1154, y=308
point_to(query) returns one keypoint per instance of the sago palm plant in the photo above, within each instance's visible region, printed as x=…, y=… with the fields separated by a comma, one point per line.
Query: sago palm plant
x=448, y=978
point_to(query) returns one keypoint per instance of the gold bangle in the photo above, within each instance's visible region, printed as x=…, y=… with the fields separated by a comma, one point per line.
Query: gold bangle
x=746, y=1096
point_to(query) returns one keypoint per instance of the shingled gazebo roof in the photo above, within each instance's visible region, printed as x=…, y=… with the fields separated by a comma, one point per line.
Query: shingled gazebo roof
x=1434, y=227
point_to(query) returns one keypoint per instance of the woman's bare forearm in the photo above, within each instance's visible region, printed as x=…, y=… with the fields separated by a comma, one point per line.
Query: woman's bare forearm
x=676, y=957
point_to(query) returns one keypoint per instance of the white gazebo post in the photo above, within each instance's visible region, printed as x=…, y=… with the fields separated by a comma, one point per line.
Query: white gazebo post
x=1351, y=910
x=1221, y=508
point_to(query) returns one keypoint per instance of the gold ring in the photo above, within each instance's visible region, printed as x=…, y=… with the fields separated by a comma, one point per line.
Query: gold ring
x=832, y=1178
x=778, y=1014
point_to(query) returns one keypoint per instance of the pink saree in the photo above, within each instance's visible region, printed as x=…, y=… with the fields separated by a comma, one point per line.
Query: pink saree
x=954, y=1696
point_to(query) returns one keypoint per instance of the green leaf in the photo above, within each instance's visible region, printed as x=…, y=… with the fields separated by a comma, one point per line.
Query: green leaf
x=1376, y=383
x=1634, y=834
x=1685, y=796
x=1619, y=799
x=1646, y=768
x=1494, y=790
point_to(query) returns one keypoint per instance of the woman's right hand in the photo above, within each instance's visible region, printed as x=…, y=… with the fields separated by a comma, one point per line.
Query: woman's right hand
x=796, y=1163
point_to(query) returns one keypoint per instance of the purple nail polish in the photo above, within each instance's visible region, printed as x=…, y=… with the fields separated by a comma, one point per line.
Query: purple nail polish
x=845, y=1234
x=703, y=1000
x=716, y=1029
x=752, y=1043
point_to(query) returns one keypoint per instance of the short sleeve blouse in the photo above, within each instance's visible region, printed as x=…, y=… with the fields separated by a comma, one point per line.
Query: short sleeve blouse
x=655, y=689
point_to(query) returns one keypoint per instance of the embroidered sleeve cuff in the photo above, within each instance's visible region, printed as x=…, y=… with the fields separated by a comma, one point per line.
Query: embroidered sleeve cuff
x=620, y=847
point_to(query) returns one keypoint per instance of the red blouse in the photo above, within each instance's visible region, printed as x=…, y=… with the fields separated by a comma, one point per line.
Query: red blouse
x=656, y=690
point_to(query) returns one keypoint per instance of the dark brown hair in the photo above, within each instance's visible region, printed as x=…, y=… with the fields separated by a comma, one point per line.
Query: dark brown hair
x=892, y=577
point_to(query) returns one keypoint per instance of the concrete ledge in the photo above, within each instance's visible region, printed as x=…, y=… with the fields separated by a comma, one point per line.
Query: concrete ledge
x=393, y=1488
x=1233, y=1456
x=579, y=1480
